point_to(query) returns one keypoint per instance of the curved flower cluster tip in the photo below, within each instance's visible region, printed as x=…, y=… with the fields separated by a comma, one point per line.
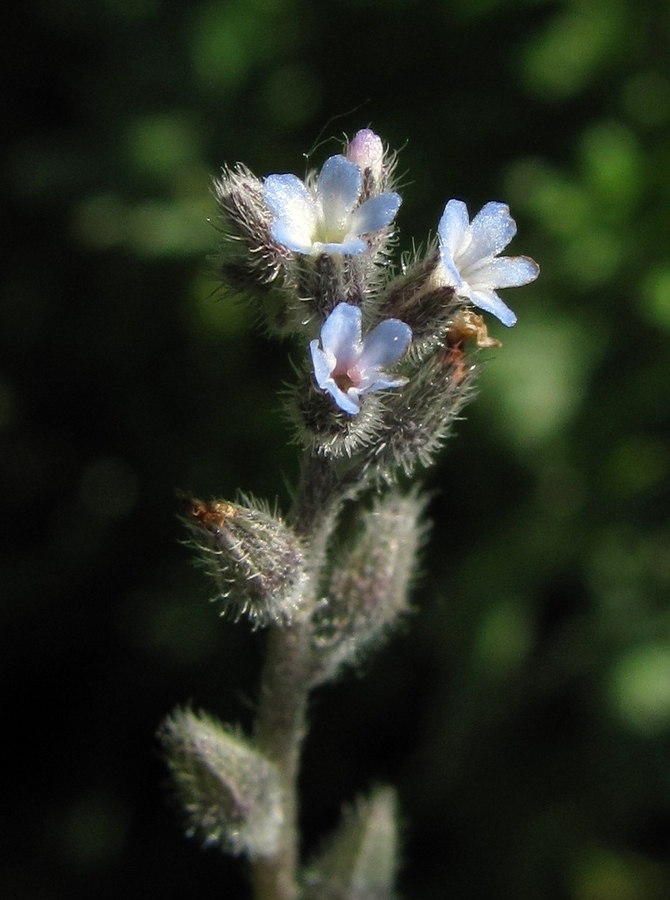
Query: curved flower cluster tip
x=469, y=254
x=347, y=366
x=326, y=219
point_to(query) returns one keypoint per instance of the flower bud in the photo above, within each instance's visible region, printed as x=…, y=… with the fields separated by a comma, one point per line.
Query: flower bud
x=377, y=164
x=324, y=429
x=256, y=560
x=367, y=151
x=417, y=298
x=250, y=258
x=370, y=584
x=416, y=424
x=361, y=859
x=229, y=791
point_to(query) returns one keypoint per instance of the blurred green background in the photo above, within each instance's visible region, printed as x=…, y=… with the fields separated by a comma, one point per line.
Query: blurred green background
x=524, y=712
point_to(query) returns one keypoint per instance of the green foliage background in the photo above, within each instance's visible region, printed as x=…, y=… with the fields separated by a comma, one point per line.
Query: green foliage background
x=524, y=713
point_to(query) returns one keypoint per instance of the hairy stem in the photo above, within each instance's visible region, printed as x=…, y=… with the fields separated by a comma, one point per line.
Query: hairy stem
x=287, y=678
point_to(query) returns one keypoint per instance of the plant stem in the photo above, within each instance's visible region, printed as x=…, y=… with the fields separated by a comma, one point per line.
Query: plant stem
x=287, y=678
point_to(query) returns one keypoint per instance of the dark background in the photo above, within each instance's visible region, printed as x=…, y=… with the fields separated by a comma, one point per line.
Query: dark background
x=524, y=712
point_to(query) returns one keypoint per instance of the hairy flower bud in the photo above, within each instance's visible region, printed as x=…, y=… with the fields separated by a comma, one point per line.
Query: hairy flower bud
x=415, y=297
x=360, y=860
x=255, y=559
x=251, y=256
x=229, y=791
x=416, y=424
x=370, y=583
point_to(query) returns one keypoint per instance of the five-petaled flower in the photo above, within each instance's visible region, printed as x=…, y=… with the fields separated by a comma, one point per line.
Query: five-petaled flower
x=325, y=219
x=469, y=255
x=346, y=366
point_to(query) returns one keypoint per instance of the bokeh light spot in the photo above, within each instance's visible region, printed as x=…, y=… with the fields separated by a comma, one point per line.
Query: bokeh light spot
x=539, y=380
x=561, y=62
x=160, y=144
x=640, y=687
x=656, y=296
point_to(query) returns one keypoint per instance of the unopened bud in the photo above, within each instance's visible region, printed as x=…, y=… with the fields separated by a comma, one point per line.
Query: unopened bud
x=256, y=560
x=325, y=430
x=367, y=151
x=361, y=859
x=229, y=791
x=370, y=585
x=415, y=297
x=417, y=423
x=251, y=258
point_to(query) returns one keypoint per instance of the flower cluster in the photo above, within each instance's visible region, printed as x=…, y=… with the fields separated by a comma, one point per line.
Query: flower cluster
x=314, y=252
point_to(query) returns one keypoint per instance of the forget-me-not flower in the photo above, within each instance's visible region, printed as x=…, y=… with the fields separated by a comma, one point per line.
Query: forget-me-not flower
x=469, y=253
x=346, y=366
x=325, y=219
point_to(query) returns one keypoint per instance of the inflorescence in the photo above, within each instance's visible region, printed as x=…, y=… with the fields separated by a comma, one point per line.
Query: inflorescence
x=387, y=360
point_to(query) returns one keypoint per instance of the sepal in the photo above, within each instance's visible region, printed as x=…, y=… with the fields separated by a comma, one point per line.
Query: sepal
x=370, y=582
x=229, y=791
x=255, y=559
x=251, y=258
x=361, y=859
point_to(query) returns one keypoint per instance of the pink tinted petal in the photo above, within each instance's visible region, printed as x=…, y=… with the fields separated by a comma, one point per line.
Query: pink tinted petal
x=366, y=150
x=338, y=189
x=375, y=213
x=385, y=344
x=490, y=232
x=489, y=301
x=341, y=334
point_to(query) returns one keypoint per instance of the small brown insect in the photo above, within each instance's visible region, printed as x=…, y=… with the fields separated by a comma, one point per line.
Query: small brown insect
x=468, y=325
x=465, y=327
x=211, y=514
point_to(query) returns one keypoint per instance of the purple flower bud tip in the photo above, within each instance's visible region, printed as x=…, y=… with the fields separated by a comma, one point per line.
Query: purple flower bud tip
x=367, y=151
x=469, y=256
x=347, y=366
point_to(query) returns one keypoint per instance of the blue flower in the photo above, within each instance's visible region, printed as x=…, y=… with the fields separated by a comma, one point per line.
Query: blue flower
x=346, y=366
x=324, y=219
x=469, y=253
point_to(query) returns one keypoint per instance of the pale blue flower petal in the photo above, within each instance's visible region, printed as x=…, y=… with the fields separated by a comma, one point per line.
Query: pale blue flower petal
x=323, y=362
x=350, y=245
x=504, y=271
x=385, y=344
x=452, y=232
x=348, y=401
x=338, y=189
x=490, y=232
x=341, y=334
x=489, y=301
x=294, y=211
x=380, y=381
x=285, y=235
x=376, y=213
